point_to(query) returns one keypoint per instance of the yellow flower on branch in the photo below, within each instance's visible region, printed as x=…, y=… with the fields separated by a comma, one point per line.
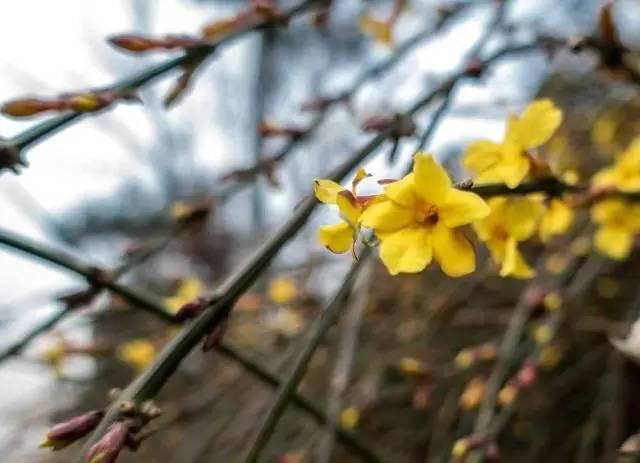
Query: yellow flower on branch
x=510, y=161
x=510, y=221
x=624, y=175
x=340, y=237
x=618, y=223
x=418, y=217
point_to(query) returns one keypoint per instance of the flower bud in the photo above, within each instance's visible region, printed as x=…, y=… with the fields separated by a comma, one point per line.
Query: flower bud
x=26, y=107
x=62, y=434
x=107, y=449
x=191, y=309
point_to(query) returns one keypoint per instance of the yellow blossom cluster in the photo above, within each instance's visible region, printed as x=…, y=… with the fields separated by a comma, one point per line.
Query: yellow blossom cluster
x=424, y=217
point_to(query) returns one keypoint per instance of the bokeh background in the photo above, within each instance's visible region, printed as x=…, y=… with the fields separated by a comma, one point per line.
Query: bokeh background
x=107, y=185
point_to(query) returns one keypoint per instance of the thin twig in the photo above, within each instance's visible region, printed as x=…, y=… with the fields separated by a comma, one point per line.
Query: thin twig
x=290, y=384
x=40, y=131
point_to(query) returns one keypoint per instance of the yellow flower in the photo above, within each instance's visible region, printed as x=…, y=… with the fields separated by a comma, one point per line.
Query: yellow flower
x=54, y=355
x=349, y=418
x=189, y=289
x=510, y=221
x=380, y=30
x=417, y=220
x=138, y=353
x=473, y=394
x=340, y=237
x=509, y=161
x=556, y=219
x=618, y=222
x=625, y=173
x=282, y=290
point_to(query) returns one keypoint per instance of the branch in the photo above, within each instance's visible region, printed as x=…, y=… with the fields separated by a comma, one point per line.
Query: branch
x=290, y=384
x=151, y=381
x=11, y=149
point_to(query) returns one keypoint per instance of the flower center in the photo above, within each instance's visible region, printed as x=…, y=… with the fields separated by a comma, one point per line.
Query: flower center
x=426, y=214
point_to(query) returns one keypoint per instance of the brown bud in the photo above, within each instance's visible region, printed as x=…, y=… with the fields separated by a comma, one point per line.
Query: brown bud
x=475, y=67
x=10, y=158
x=214, y=338
x=527, y=375
x=191, y=310
x=62, y=434
x=26, y=107
x=107, y=449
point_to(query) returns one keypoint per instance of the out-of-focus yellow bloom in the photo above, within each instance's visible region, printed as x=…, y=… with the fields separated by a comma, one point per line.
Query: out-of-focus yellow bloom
x=349, y=418
x=379, y=29
x=510, y=221
x=556, y=219
x=282, y=290
x=189, y=289
x=54, y=355
x=507, y=395
x=552, y=301
x=464, y=359
x=460, y=448
x=508, y=161
x=625, y=172
x=543, y=334
x=473, y=394
x=604, y=129
x=550, y=356
x=618, y=222
x=412, y=367
x=417, y=220
x=139, y=353
x=340, y=237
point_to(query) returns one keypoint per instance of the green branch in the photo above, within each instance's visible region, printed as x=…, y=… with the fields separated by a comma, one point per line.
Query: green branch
x=313, y=339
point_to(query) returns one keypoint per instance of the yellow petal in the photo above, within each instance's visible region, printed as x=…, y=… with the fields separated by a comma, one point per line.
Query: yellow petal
x=556, y=220
x=138, y=353
x=337, y=238
x=361, y=174
x=282, y=290
x=521, y=217
x=432, y=183
x=408, y=250
x=514, y=170
x=462, y=207
x=536, y=125
x=348, y=206
x=482, y=155
x=379, y=30
x=609, y=210
x=453, y=251
x=513, y=264
x=385, y=216
x=326, y=190
x=614, y=242
x=402, y=192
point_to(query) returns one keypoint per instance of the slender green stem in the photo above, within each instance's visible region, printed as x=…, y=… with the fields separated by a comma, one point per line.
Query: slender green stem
x=93, y=275
x=290, y=384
